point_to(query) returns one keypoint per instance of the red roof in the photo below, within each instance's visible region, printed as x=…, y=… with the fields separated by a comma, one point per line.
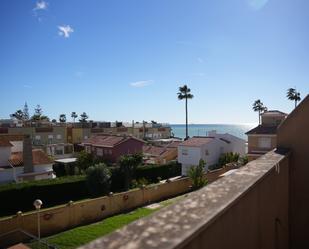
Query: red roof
x=5, y=143
x=6, y=139
x=39, y=157
x=108, y=140
x=153, y=150
x=197, y=141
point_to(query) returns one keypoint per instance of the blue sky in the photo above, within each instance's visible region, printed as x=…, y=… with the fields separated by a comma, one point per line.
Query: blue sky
x=124, y=60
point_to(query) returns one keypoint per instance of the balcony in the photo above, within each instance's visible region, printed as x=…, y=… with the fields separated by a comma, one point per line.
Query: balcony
x=248, y=208
x=262, y=205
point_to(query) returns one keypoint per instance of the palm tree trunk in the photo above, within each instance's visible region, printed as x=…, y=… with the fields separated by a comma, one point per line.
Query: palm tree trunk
x=186, y=118
x=259, y=117
x=295, y=103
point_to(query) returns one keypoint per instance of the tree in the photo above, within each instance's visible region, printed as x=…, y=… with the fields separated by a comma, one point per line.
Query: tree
x=196, y=174
x=74, y=116
x=184, y=93
x=128, y=165
x=258, y=106
x=19, y=115
x=62, y=118
x=98, y=179
x=293, y=95
x=38, y=114
x=83, y=117
x=26, y=112
x=84, y=160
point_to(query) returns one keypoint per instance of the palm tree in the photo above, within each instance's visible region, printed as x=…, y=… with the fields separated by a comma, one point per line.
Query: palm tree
x=258, y=106
x=293, y=95
x=74, y=116
x=184, y=93
x=62, y=118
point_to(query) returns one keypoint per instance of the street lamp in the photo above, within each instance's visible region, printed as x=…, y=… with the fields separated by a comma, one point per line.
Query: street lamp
x=37, y=204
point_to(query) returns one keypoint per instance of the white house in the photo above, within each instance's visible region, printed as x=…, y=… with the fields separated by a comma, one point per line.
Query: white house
x=208, y=148
x=18, y=164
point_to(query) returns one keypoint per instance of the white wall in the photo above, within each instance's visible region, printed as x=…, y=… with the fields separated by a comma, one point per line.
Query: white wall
x=236, y=145
x=5, y=154
x=17, y=146
x=192, y=158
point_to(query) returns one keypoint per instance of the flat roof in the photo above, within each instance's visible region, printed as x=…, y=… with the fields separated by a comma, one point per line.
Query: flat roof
x=66, y=160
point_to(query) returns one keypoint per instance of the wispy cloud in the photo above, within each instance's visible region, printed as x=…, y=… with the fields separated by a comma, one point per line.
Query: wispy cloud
x=257, y=4
x=41, y=5
x=200, y=60
x=141, y=83
x=27, y=86
x=65, y=31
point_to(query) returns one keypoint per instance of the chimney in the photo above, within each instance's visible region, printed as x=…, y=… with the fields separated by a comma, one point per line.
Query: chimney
x=27, y=155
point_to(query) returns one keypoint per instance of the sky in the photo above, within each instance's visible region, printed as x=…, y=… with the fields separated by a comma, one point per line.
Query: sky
x=124, y=60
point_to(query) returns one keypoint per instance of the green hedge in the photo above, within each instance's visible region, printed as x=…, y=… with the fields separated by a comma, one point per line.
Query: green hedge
x=61, y=190
x=20, y=197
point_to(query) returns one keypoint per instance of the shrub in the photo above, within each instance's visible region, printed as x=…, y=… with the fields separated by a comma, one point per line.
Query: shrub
x=52, y=192
x=128, y=165
x=243, y=160
x=139, y=183
x=98, y=179
x=155, y=172
x=196, y=174
x=229, y=157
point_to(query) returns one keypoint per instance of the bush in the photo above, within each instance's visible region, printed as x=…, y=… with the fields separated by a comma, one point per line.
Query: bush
x=196, y=174
x=52, y=192
x=98, y=179
x=153, y=173
x=229, y=157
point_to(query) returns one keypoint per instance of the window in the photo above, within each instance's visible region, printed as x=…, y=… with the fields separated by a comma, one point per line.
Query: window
x=85, y=137
x=50, y=136
x=88, y=149
x=59, y=136
x=99, y=152
x=264, y=142
x=206, y=152
x=184, y=152
x=110, y=152
x=37, y=137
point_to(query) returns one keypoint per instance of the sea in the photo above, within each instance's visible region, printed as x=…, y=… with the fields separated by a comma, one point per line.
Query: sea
x=238, y=130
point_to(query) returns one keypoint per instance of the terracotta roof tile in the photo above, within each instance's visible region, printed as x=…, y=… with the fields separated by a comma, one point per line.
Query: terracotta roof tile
x=39, y=157
x=268, y=130
x=197, y=141
x=108, y=140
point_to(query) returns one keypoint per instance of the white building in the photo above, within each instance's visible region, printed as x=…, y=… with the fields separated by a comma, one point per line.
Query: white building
x=208, y=148
x=12, y=164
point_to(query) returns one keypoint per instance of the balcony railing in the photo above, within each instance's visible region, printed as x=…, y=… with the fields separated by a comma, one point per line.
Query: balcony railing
x=247, y=209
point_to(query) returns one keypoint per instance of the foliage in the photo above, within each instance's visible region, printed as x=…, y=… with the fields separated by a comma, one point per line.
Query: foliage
x=185, y=93
x=26, y=112
x=196, y=174
x=19, y=115
x=38, y=114
x=84, y=160
x=128, y=164
x=293, y=95
x=74, y=116
x=259, y=107
x=52, y=192
x=83, y=117
x=98, y=179
x=243, y=160
x=229, y=157
x=62, y=118
x=139, y=183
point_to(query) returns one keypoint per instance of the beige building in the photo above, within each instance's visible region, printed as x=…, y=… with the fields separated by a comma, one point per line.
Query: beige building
x=263, y=138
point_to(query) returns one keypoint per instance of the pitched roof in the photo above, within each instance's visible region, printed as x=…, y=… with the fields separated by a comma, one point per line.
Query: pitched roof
x=5, y=140
x=274, y=112
x=39, y=157
x=266, y=130
x=108, y=140
x=5, y=143
x=153, y=150
x=197, y=141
